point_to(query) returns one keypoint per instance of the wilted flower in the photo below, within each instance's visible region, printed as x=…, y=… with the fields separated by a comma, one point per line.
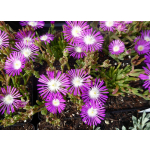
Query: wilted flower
x=54, y=83
x=90, y=40
x=92, y=113
x=29, y=51
x=116, y=47
x=15, y=63
x=34, y=24
x=95, y=92
x=73, y=30
x=79, y=80
x=55, y=102
x=9, y=100
x=4, y=41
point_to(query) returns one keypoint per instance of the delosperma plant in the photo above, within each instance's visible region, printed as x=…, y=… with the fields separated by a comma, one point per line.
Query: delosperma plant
x=87, y=83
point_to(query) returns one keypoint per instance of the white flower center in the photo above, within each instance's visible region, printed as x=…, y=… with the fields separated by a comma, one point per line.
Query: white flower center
x=54, y=85
x=94, y=93
x=78, y=49
x=146, y=38
x=8, y=99
x=1, y=41
x=76, y=31
x=89, y=39
x=26, y=52
x=140, y=48
x=116, y=48
x=77, y=81
x=56, y=102
x=17, y=64
x=32, y=23
x=26, y=40
x=109, y=23
x=44, y=38
x=92, y=112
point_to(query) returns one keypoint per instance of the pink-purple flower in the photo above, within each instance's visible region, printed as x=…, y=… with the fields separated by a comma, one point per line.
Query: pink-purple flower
x=108, y=25
x=116, y=47
x=27, y=37
x=76, y=51
x=29, y=51
x=47, y=38
x=120, y=26
x=34, y=24
x=15, y=63
x=146, y=35
x=147, y=58
x=4, y=40
x=54, y=83
x=73, y=30
x=90, y=40
x=92, y=113
x=146, y=76
x=55, y=103
x=142, y=47
x=96, y=92
x=9, y=100
x=79, y=80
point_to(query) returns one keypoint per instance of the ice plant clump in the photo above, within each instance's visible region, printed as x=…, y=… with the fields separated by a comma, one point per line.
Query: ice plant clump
x=108, y=25
x=92, y=113
x=53, y=84
x=9, y=100
x=79, y=80
x=34, y=24
x=55, y=102
x=47, y=38
x=15, y=63
x=29, y=51
x=116, y=47
x=95, y=92
x=76, y=51
x=74, y=29
x=142, y=47
x=146, y=77
x=27, y=37
x=4, y=41
x=90, y=40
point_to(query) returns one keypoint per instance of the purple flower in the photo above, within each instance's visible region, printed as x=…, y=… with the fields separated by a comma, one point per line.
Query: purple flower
x=108, y=25
x=4, y=41
x=76, y=51
x=79, y=80
x=95, y=92
x=90, y=40
x=34, y=24
x=29, y=51
x=74, y=29
x=128, y=22
x=15, y=63
x=146, y=35
x=116, y=47
x=137, y=39
x=142, y=47
x=54, y=83
x=47, y=38
x=146, y=77
x=25, y=36
x=9, y=100
x=55, y=102
x=52, y=22
x=120, y=26
x=92, y=113
x=147, y=58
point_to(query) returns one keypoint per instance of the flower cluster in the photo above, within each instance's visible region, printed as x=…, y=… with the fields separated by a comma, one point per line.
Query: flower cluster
x=75, y=82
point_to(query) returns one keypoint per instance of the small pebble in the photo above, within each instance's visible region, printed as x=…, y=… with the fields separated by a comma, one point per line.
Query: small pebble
x=25, y=120
x=106, y=121
x=111, y=121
